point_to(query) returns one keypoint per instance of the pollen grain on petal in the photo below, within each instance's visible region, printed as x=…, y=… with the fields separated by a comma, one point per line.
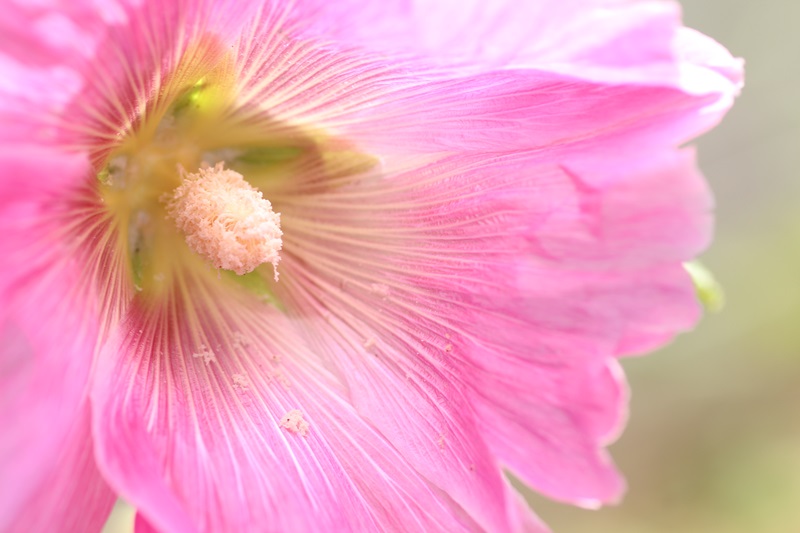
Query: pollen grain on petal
x=380, y=290
x=206, y=354
x=279, y=376
x=240, y=341
x=240, y=381
x=294, y=422
x=226, y=220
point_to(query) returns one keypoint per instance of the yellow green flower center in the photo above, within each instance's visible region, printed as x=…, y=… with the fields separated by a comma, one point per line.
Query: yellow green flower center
x=197, y=179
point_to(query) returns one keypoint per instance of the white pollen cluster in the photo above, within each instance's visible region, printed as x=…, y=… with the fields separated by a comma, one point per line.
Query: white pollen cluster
x=226, y=220
x=295, y=423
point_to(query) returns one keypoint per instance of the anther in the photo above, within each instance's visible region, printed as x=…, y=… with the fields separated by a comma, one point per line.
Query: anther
x=226, y=220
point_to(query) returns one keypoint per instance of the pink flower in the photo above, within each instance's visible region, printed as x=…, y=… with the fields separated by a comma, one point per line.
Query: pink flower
x=474, y=208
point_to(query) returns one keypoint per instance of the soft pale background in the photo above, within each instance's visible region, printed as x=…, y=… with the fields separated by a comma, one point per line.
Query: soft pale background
x=713, y=444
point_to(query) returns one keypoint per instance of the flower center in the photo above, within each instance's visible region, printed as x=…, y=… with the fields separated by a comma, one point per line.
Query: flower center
x=226, y=220
x=170, y=224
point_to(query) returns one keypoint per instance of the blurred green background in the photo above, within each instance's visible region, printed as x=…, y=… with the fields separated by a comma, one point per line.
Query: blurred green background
x=713, y=441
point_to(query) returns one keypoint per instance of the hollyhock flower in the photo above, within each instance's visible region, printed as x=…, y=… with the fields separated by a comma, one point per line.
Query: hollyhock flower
x=303, y=265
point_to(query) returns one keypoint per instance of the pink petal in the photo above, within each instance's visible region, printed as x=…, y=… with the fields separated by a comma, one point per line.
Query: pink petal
x=635, y=209
x=48, y=329
x=548, y=425
x=400, y=383
x=517, y=110
x=43, y=50
x=402, y=108
x=521, y=272
x=522, y=519
x=73, y=496
x=76, y=74
x=141, y=525
x=600, y=40
x=418, y=297
x=198, y=443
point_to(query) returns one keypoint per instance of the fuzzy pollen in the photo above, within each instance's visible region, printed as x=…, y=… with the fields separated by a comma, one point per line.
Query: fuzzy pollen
x=226, y=220
x=294, y=422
